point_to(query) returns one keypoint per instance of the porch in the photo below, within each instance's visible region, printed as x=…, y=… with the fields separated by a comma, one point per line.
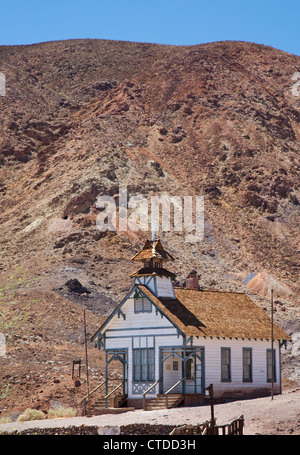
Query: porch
x=184, y=366
x=157, y=369
x=150, y=378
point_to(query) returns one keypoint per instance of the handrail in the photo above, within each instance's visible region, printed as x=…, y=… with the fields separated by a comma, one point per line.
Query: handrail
x=170, y=390
x=94, y=390
x=173, y=386
x=148, y=390
x=110, y=393
x=86, y=397
x=90, y=393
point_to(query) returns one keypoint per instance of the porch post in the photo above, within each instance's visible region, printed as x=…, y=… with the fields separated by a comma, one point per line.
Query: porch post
x=106, y=370
x=184, y=365
x=125, y=373
x=161, y=370
x=123, y=378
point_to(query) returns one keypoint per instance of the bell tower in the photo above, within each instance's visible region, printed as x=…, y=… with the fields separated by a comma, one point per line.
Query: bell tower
x=153, y=274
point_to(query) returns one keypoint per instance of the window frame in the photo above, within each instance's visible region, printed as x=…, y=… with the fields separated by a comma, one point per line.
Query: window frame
x=142, y=300
x=143, y=371
x=227, y=365
x=248, y=365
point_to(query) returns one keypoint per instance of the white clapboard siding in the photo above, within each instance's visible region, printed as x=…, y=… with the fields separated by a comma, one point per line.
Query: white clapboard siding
x=259, y=363
x=150, y=329
x=140, y=330
x=119, y=331
x=137, y=320
x=138, y=340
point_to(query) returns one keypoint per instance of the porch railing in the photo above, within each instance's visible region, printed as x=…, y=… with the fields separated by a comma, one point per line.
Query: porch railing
x=111, y=393
x=148, y=390
x=87, y=397
x=170, y=390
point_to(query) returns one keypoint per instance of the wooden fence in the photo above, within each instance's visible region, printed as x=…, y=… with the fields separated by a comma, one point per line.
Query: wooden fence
x=209, y=428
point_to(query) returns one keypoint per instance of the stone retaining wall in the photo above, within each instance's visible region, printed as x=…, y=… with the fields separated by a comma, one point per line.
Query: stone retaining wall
x=132, y=429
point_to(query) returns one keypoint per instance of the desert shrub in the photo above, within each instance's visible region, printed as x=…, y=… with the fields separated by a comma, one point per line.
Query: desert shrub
x=5, y=420
x=32, y=414
x=61, y=412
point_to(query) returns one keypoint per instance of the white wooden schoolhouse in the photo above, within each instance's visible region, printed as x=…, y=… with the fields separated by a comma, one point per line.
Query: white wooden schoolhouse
x=174, y=341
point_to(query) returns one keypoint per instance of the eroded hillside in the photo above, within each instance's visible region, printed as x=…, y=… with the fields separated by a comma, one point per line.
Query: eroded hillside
x=82, y=118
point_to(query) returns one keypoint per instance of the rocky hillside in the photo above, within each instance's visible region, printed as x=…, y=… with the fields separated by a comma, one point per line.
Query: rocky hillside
x=83, y=118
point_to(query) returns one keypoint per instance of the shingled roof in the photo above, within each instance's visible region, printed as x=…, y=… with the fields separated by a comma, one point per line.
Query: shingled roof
x=216, y=314
x=148, y=271
x=152, y=249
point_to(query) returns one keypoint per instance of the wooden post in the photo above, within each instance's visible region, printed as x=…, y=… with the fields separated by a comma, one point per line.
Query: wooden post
x=272, y=346
x=210, y=390
x=86, y=354
x=212, y=406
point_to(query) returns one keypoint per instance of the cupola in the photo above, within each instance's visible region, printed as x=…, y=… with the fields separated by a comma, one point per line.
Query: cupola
x=153, y=274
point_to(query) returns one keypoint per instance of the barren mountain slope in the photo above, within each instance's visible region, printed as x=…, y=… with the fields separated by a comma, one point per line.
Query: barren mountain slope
x=86, y=117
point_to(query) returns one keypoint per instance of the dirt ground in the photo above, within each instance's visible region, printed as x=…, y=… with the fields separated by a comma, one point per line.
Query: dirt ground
x=263, y=416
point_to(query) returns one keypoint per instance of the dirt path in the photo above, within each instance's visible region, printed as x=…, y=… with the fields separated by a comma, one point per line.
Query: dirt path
x=262, y=416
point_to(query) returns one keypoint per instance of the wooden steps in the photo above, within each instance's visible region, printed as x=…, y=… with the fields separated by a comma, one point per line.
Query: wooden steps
x=114, y=405
x=159, y=402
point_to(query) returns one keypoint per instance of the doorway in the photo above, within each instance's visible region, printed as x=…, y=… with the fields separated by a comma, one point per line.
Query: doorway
x=185, y=365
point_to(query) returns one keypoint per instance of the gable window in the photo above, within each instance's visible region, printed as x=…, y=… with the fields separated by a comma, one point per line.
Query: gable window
x=225, y=365
x=247, y=365
x=143, y=364
x=269, y=365
x=141, y=304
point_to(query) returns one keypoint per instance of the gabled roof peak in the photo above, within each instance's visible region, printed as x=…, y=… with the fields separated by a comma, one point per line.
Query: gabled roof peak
x=152, y=249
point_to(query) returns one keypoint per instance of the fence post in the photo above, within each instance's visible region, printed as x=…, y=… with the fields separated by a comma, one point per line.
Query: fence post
x=241, y=424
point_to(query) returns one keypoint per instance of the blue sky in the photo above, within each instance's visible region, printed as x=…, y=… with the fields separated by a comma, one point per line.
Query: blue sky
x=274, y=23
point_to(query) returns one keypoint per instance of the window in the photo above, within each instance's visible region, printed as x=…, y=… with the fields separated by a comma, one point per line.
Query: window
x=141, y=304
x=247, y=364
x=269, y=365
x=225, y=365
x=143, y=364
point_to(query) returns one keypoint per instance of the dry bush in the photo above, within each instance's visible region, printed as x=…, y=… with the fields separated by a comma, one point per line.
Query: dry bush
x=62, y=412
x=31, y=414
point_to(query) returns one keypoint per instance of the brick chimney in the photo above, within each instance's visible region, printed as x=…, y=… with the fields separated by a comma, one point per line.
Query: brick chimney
x=192, y=280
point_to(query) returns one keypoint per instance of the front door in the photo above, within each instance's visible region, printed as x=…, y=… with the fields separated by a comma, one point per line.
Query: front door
x=171, y=369
x=177, y=364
